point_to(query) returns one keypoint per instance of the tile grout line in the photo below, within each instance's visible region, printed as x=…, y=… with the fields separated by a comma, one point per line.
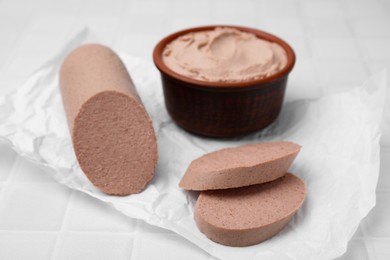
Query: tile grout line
x=136, y=242
x=382, y=190
x=355, y=38
x=369, y=248
x=18, y=41
x=312, y=59
x=125, y=5
x=122, y=233
x=385, y=148
x=81, y=232
x=61, y=231
x=366, y=239
x=253, y=14
x=7, y=182
x=167, y=21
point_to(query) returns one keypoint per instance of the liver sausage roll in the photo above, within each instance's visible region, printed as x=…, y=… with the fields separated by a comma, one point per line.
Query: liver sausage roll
x=249, y=215
x=112, y=134
x=240, y=166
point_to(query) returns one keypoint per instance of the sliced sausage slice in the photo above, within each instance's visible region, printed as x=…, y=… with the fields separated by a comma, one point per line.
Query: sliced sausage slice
x=112, y=134
x=240, y=166
x=249, y=215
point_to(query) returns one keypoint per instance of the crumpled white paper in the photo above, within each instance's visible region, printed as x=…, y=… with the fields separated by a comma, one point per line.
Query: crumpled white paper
x=339, y=160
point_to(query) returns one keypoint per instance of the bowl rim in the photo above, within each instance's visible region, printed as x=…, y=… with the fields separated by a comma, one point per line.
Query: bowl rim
x=163, y=68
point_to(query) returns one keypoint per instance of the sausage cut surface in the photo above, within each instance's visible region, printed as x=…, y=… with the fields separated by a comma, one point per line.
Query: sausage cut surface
x=240, y=166
x=112, y=134
x=249, y=215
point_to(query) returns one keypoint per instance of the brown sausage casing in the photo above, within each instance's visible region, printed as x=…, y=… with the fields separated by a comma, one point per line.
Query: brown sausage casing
x=112, y=134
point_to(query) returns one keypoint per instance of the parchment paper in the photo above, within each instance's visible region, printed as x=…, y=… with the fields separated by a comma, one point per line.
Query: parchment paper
x=339, y=160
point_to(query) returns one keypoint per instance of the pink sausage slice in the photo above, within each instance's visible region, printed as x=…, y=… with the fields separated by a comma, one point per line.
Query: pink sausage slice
x=240, y=166
x=112, y=134
x=249, y=215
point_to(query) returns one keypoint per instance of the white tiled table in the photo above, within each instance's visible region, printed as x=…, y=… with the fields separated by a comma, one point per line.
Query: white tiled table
x=338, y=44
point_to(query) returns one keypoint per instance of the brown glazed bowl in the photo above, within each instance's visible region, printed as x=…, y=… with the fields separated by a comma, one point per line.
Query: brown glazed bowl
x=220, y=109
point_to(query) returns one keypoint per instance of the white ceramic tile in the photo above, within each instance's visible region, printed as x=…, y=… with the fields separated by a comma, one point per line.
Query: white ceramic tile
x=23, y=65
x=375, y=66
x=385, y=138
x=341, y=72
x=386, y=6
x=365, y=9
x=180, y=22
x=170, y=246
x=375, y=48
x=21, y=246
x=33, y=206
x=89, y=214
x=98, y=246
x=296, y=91
x=304, y=72
x=360, y=232
x=10, y=35
x=199, y=8
x=284, y=9
x=337, y=88
x=149, y=7
x=145, y=24
x=7, y=160
x=371, y=27
x=59, y=7
x=260, y=22
x=22, y=8
x=235, y=19
x=322, y=9
x=326, y=27
x=6, y=19
x=377, y=222
x=356, y=251
x=112, y=7
x=300, y=46
x=34, y=43
x=334, y=48
x=284, y=27
x=384, y=176
x=104, y=27
x=381, y=248
x=303, y=81
x=137, y=45
x=232, y=8
x=26, y=171
x=6, y=48
x=49, y=23
x=385, y=126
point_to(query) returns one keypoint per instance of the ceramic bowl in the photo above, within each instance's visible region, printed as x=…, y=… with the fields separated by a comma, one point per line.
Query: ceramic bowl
x=223, y=109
